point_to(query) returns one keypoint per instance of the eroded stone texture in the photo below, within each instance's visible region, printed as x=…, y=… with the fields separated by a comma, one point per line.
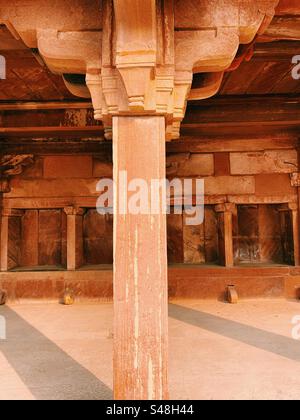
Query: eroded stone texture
x=140, y=267
x=263, y=162
x=175, y=238
x=68, y=167
x=98, y=238
x=30, y=238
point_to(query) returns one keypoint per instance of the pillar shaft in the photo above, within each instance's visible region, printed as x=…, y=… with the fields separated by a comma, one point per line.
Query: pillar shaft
x=4, y=243
x=226, y=212
x=228, y=227
x=292, y=208
x=140, y=266
x=297, y=230
x=74, y=238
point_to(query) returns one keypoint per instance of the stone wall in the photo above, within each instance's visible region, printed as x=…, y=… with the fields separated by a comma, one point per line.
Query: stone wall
x=255, y=182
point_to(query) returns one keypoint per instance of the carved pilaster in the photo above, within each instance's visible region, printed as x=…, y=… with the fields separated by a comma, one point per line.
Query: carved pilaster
x=74, y=237
x=294, y=210
x=226, y=212
x=12, y=165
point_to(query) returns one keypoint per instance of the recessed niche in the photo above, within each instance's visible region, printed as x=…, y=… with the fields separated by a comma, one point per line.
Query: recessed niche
x=97, y=238
x=262, y=234
x=193, y=244
x=37, y=240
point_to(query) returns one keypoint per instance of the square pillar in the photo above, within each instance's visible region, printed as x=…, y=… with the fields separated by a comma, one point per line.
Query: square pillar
x=295, y=182
x=226, y=212
x=295, y=221
x=140, y=265
x=74, y=237
x=292, y=208
x=4, y=240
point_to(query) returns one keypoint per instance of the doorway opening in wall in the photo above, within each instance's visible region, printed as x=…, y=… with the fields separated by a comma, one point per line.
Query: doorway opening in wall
x=38, y=241
x=263, y=235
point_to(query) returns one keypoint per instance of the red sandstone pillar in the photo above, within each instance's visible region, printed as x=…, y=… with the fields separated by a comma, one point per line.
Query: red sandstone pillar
x=226, y=232
x=4, y=240
x=295, y=221
x=297, y=239
x=140, y=267
x=74, y=238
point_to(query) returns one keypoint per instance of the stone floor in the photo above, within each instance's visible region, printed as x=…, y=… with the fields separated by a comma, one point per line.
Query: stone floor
x=217, y=351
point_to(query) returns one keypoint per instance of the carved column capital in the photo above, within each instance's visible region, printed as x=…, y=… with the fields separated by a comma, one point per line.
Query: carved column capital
x=139, y=56
x=288, y=207
x=74, y=211
x=8, y=212
x=225, y=208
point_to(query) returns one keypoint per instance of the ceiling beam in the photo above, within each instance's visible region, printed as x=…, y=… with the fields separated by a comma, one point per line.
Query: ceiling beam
x=223, y=116
x=44, y=106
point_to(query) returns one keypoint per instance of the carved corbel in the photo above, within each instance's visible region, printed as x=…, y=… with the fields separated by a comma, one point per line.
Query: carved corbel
x=208, y=86
x=70, y=52
x=94, y=84
x=74, y=211
x=136, y=48
x=12, y=165
x=139, y=56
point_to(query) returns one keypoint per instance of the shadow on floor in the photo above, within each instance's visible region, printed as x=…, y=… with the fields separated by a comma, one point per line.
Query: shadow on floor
x=47, y=371
x=261, y=339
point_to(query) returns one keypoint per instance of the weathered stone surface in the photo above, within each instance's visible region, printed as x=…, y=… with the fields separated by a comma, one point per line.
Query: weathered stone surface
x=50, y=237
x=229, y=185
x=97, y=238
x=68, y=167
x=273, y=184
x=65, y=187
x=194, y=244
x=140, y=266
x=35, y=170
x=30, y=237
x=197, y=165
x=102, y=169
x=175, y=238
x=144, y=61
x=185, y=282
x=263, y=162
x=14, y=242
x=222, y=164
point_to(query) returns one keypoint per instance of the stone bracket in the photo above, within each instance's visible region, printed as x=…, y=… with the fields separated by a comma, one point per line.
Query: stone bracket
x=295, y=180
x=139, y=56
x=12, y=165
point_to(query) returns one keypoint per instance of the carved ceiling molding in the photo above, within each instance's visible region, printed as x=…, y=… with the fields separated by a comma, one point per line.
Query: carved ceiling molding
x=139, y=56
x=12, y=165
